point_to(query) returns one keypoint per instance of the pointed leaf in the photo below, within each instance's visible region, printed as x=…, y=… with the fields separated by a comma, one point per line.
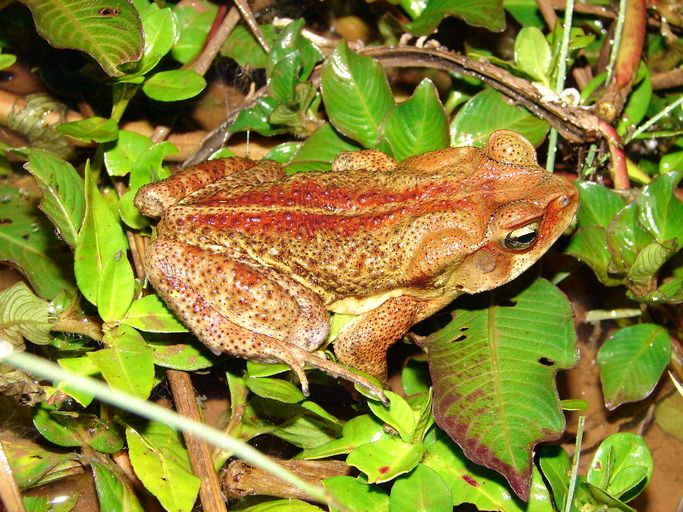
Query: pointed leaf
x=356, y=95
x=622, y=466
x=109, y=30
x=480, y=13
x=422, y=490
x=160, y=31
x=660, y=211
x=27, y=240
x=356, y=432
x=493, y=370
x=470, y=483
x=99, y=240
x=357, y=495
x=63, y=199
x=385, y=459
x=23, y=315
x=599, y=205
x=90, y=130
x=323, y=145
x=417, y=125
x=488, y=111
x=116, y=288
x=127, y=363
x=631, y=362
x=532, y=54
x=162, y=464
x=174, y=85
x=113, y=493
x=150, y=314
x=397, y=414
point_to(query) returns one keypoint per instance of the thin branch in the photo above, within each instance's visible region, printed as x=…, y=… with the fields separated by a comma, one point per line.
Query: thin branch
x=185, y=401
x=46, y=370
x=248, y=17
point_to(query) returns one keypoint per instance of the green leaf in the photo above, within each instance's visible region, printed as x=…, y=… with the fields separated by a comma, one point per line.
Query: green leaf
x=63, y=199
x=631, y=362
x=532, y=54
x=27, y=241
x=622, y=466
x=397, y=414
x=71, y=429
x=241, y=45
x=526, y=12
x=161, y=462
x=181, y=356
x=480, y=13
x=93, y=129
x=638, y=101
x=493, y=369
x=599, y=205
x=174, y=85
x=161, y=32
x=357, y=495
x=597, y=499
x=588, y=245
x=23, y=315
x=417, y=125
x=116, y=288
x=283, y=153
x=195, y=21
x=488, y=111
x=284, y=76
x=356, y=432
x=121, y=155
x=288, y=505
x=626, y=239
x=322, y=146
x=257, y=118
x=32, y=464
x=385, y=459
x=113, y=493
x=6, y=60
x=421, y=490
x=275, y=389
x=108, y=30
x=81, y=366
x=556, y=467
x=100, y=239
x=659, y=210
x=127, y=363
x=150, y=314
x=356, y=95
x=470, y=483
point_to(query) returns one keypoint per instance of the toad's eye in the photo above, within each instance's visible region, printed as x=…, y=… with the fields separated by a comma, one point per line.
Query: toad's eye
x=522, y=238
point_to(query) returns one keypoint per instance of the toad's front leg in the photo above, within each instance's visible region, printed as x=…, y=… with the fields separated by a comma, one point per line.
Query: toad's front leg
x=244, y=309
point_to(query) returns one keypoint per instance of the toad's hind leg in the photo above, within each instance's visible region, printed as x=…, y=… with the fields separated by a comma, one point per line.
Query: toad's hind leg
x=243, y=309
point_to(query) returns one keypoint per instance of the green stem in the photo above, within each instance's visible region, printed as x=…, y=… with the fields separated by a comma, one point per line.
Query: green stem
x=561, y=77
x=575, y=465
x=122, y=93
x=619, y=29
x=47, y=370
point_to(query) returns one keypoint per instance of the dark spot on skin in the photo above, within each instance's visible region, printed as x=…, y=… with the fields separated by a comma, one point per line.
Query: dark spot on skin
x=545, y=361
x=109, y=12
x=470, y=480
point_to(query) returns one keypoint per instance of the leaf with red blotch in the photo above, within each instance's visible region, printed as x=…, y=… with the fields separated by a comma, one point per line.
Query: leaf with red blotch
x=493, y=372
